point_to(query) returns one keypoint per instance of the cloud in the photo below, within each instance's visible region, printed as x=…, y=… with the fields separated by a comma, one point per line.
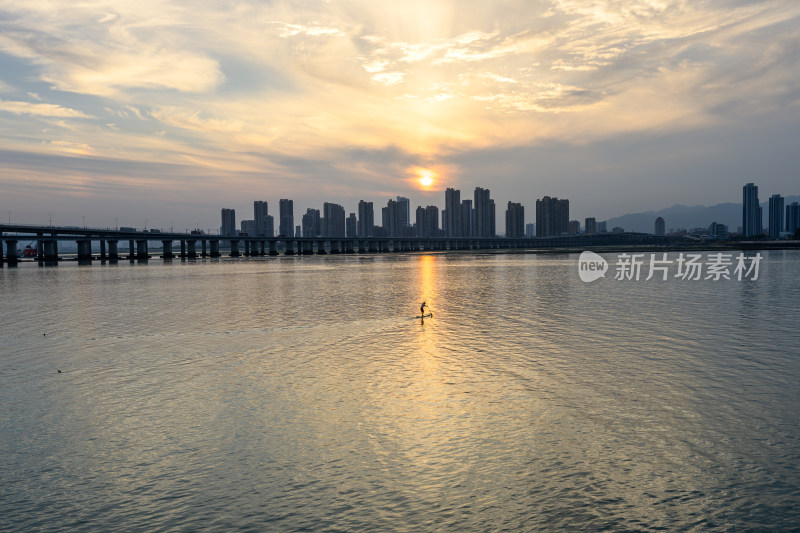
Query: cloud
x=42, y=110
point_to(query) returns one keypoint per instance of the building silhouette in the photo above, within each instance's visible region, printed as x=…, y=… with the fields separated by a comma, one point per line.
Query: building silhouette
x=574, y=227
x=333, y=223
x=404, y=213
x=311, y=223
x=530, y=230
x=228, y=226
x=552, y=217
x=515, y=221
x=775, y=215
x=451, y=216
x=751, y=211
x=427, y=221
x=482, y=213
x=467, y=219
x=260, y=214
x=590, y=226
x=286, y=213
x=366, y=219
x=792, y=217
x=660, y=227
x=351, y=226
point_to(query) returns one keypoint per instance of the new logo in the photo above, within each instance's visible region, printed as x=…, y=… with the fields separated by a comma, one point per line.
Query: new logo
x=591, y=266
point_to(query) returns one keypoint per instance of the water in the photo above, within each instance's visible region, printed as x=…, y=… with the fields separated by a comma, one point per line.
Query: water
x=299, y=394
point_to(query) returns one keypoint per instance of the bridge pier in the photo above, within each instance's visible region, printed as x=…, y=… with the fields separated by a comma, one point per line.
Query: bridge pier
x=308, y=247
x=247, y=247
x=203, y=248
x=321, y=248
x=113, y=255
x=166, y=249
x=84, y=249
x=348, y=246
x=289, y=248
x=336, y=246
x=191, y=248
x=11, y=251
x=214, y=248
x=183, y=249
x=273, y=247
x=234, y=248
x=102, y=249
x=39, y=247
x=141, y=249
x=49, y=250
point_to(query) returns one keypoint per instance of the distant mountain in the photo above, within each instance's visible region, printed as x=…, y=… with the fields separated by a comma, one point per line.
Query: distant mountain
x=687, y=217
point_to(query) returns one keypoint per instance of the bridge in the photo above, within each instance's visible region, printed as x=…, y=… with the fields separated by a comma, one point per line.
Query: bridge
x=194, y=245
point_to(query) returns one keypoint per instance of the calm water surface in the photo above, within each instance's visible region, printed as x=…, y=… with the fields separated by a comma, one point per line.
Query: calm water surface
x=300, y=394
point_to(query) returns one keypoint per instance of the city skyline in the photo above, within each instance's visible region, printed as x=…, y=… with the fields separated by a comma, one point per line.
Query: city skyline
x=163, y=112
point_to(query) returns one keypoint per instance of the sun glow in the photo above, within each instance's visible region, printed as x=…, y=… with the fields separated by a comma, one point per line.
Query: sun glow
x=426, y=178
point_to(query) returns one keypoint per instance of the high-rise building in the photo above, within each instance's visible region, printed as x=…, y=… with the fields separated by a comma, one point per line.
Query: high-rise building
x=366, y=219
x=492, y=220
x=333, y=224
x=260, y=214
x=590, y=226
x=552, y=217
x=452, y=206
x=775, y=215
x=574, y=227
x=392, y=219
x=404, y=212
x=228, y=222
x=427, y=221
x=298, y=232
x=467, y=222
x=660, y=228
x=515, y=221
x=751, y=211
x=792, y=217
x=351, y=226
x=481, y=222
x=286, y=212
x=311, y=223
x=602, y=227
x=248, y=227
x=530, y=230
x=718, y=231
x=269, y=226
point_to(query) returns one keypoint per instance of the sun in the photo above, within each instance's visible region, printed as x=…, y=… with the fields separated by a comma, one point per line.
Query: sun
x=426, y=177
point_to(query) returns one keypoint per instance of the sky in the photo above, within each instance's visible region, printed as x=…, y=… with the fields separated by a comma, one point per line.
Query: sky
x=160, y=113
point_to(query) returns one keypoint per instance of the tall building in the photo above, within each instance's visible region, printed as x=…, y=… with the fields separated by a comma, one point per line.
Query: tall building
x=590, y=226
x=351, y=226
x=333, y=223
x=311, y=223
x=404, y=207
x=775, y=215
x=366, y=219
x=452, y=206
x=392, y=219
x=492, y=220
x=660, y=228
x=792, y=217
x=260, y=214
x=515, y=221
x=269, y=226
x=427, y=221
x=719, y=231
x=530, y=230
x=228, y=222
x=601, y=227
x=481, y=216
x=467, y=222
x=573, y=227
x=286, y=226
x=751, y=211
x=248, y=227
x=552, y=217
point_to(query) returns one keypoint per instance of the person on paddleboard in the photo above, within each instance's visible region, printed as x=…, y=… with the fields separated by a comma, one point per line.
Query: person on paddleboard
x=422, y=308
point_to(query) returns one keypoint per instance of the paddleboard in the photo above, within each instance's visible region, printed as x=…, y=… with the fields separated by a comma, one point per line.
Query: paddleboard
x=425, y=316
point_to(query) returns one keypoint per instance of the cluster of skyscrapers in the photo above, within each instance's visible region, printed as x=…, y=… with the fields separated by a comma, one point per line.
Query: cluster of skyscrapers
x=781, y=218
x=459, y=218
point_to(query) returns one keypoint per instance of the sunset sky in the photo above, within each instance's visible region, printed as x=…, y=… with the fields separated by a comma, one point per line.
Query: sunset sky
x=167, y=111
